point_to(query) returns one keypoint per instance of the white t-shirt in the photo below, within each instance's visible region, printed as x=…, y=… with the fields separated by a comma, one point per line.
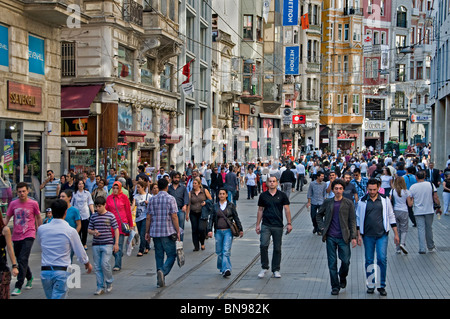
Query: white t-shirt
x=386, y=181
x=400, y=203
x=363, y=167
x=423, y=199
x=251, y=179
x=82, y=200
x=300, y=169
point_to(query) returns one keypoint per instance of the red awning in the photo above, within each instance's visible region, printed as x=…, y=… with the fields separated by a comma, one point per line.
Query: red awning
x=133, y=136
x=78, y=99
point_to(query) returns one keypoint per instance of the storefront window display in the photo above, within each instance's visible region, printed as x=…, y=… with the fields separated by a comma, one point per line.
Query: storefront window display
x=20, y=160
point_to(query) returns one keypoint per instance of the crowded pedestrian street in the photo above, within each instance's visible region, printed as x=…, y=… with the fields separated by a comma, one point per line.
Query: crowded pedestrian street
x=303, y=267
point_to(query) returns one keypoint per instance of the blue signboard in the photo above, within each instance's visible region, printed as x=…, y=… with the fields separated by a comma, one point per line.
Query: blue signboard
x=292, y=60
x=36, y=55
x=290, y=12
x=4, y=48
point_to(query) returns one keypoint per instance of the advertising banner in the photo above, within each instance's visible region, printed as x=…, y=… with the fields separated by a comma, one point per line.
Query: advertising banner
x=36, y=55
x=292, y=60
x=4, y=49
x=290, y=12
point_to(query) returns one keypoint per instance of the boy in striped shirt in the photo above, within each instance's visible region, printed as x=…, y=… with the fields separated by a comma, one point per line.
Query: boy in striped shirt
x=103, y=225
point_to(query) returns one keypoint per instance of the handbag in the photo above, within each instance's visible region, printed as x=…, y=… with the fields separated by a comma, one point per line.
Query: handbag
x=180, y=253
x=233, y=226
x=124, y=226
x=236, y=195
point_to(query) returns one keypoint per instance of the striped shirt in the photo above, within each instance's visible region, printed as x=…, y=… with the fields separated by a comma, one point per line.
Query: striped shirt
x=161, y=207
x=50, y=188
x=104, y=224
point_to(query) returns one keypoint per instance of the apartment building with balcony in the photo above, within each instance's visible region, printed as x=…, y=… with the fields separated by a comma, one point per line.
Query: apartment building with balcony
x=376, y=89
x=30, y=79
x=119, y=101
x=440, y=87
x=342, y=114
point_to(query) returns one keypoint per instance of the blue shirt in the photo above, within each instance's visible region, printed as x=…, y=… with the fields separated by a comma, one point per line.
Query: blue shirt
x=410, y=180
x=111, y=180
x=73, y=214
x=90, y=184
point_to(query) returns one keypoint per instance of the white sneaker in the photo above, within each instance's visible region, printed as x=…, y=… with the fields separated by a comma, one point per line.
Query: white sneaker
x=403, y=248
x=277, y=274
x=109, y=288
x=99, y=292
x=262, y=273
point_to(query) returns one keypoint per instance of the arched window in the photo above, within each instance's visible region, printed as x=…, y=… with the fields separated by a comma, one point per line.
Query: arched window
x=402, y=14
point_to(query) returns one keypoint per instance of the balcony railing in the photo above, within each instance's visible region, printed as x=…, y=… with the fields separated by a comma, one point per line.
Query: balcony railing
x=375, y=115
x=132, y=12
x=353, y=11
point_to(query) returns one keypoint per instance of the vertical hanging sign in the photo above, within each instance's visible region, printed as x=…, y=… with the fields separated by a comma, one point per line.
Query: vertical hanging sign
x=290, y=12
x=36, y=55
x=291, y=60
x=4, y=49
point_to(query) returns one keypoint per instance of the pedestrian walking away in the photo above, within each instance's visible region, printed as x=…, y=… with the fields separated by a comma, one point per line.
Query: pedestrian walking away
x=336, y=220
x=269, y=224
x=26, y=218
x=162, y=226
x=6, y=246
x=374, y=219
x=424, y=196
x=140, y=202
x=287, y=181
x=104, y=227
x=224, y=213
x=317, y=193
x=399, y=198
x=57, y=240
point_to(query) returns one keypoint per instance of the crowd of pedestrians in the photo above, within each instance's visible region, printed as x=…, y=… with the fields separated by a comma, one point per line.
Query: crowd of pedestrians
x=354, y=199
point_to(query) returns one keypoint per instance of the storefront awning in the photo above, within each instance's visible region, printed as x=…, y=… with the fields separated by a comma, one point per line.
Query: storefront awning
x=133, y=136
x=76, y=100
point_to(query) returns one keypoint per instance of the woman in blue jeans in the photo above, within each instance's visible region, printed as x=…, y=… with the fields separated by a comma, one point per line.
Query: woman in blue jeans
x=224, y=212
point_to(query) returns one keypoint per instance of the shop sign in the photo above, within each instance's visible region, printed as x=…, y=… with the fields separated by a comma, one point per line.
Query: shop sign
x=290, y=12
x=76, y=141
x=399, y=113
x=344, y=135
x=420, y=118
x=4, y=50
x=292, y=60
x=375, y=125
x=23, y=97
x=36, y=55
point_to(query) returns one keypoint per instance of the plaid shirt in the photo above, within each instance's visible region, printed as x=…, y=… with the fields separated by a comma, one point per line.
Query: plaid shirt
x=361, y=186
x=160, y=207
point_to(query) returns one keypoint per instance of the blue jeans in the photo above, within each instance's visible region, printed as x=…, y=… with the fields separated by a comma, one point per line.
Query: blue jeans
x=231, y=195
x=119, y=254
x=343, y=251
x=54, y=283
x=143, y=243
x=379, y=245
x=103, y=272
x=276, y=233
x=165, y=245
x=181, y=220
x=224, y=239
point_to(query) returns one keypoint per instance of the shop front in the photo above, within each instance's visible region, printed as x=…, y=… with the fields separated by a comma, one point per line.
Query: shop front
x=375, y=134
x=347, y=140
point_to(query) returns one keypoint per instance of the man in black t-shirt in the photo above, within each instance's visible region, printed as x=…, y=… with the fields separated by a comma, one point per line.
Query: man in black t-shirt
x=270, y=212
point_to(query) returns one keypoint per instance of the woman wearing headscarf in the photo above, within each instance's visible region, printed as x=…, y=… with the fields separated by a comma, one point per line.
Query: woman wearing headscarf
x=119, y=204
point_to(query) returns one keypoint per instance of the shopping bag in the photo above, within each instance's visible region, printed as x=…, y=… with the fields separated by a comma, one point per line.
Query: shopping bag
x=180, y=253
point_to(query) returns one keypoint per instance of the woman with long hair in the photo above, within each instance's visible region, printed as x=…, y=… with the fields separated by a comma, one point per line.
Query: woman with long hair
x=140, y=201
x=399, y=198
x=82, y=200
x=386, y=180
x=197, y=199
x=119, y=204
x=5, y=273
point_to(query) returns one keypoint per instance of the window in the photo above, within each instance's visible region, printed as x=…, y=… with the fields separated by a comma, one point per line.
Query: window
x=402, y=17
x=340, y=32
x=126, y=63
x=165, y=78
x=368, y=73
x=356, y=103
x=375, y=68
x=248, y=27
x=190, y=33
x=308, y=89
x=345, y=104
x=331, y=31
x=357, y=32
x=259, y=34
x=419, y=70
x=400, y=42
x=346, y=31
x=411, y=70
x=345, y=64
x=147, y=72
x=382, y=7
x=383, y=37
x=399, y=99
x=338, y=109
x=369, y=6
x=68, y=62
x=400, y=73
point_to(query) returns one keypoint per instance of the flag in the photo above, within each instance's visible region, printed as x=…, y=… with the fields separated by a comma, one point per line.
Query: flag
x=298, y=119
x=305, y=21
x=187, y=71
x=187, y=87
x=266, y=9
x=124, y=71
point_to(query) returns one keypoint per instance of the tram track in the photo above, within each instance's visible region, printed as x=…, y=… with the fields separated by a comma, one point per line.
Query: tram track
x=165, y=291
